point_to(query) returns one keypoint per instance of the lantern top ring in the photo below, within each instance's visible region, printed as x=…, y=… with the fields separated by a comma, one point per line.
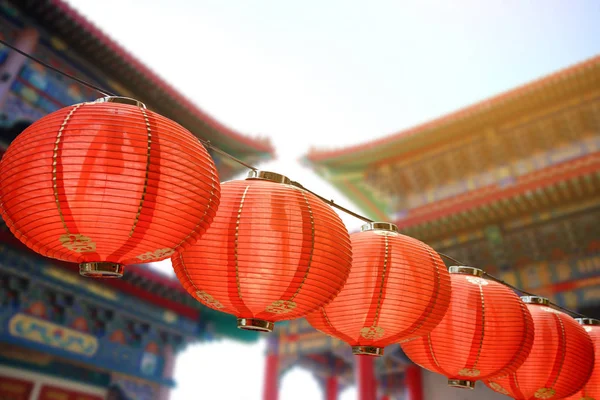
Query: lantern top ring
x=269, y=176
x=587, y=321
x=466, y=271
x=535, y=300
x=379, y=226
x=121, y=100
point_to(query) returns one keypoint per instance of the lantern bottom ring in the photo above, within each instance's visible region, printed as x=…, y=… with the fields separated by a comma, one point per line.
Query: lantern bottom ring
x=367, y=351
x=101, y=270
x=252, y=324
x=461, y=384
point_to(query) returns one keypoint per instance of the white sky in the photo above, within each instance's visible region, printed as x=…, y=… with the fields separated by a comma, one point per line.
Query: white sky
x=331, y=74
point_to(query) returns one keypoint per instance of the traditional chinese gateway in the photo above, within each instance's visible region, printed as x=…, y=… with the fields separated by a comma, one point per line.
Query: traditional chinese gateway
x=62, y=336
x=510, y=185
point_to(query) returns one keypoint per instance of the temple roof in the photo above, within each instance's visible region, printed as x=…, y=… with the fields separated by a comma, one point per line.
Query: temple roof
x=95, y=46
x=418, y=138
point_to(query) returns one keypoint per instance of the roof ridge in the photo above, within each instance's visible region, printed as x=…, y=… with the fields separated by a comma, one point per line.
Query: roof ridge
x=319, y=155
x=79, y=18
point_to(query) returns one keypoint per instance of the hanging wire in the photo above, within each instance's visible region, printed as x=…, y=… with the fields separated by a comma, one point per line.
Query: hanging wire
x=503, y=282
x=332, y=203
x=85, y=83
x=209, y=145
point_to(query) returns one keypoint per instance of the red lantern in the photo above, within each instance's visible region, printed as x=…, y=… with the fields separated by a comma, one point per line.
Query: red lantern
x=560, y=362
x=273, y=252
x=591, y=390
x=106, y=184
x=398, y=288
x=487, y=331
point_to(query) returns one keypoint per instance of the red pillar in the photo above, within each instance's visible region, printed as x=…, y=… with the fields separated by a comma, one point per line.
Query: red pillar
x=365, y=378
x=385, y=397
x=413, y=382
x=271, y=390
x=331, y=388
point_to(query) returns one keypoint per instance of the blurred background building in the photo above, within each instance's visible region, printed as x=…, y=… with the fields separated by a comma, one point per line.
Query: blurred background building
x=510, y=185
x=62, y=336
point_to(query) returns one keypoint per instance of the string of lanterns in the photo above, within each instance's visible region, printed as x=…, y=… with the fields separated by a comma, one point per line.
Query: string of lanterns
x=110, y=183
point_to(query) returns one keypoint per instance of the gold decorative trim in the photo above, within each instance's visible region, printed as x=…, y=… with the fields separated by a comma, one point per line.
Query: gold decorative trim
x=436, y=291
x=281, y=307
x=312, y=248
x=476, y=281
x=78, y=243
x=235, y=250
x=148, y=151
x=544, y=393
x=431, y=350
x=208, y=207
x=372, y=332
x=482, y=330
x=383, y=273
x=55, y=163
x=499, y=388
x=158, y=253
x=563, y=339
x=550, y=310
x=326, y=317
x=471, y=372
x=209, y=300
x=200, y=293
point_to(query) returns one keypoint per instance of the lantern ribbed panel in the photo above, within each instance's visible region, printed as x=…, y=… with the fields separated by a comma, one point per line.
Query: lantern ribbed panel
x=273, y=252
x=487, y=331
x=560, y=362
x=107, y=182
x=398, y=288
x=591, y=390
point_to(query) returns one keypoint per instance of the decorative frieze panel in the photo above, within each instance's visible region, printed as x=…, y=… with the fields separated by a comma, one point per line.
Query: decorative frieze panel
x=490, y=157
x=36, y=312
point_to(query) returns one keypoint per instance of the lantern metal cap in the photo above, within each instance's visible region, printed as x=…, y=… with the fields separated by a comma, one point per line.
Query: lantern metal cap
x=101, y=270
x=461, y=384
x=269, y=176
x=379, y=226
x=535, y=300
x=367, y=351
x=587, y=321
x=459, y=269
x=252, y=324
x=120, y=100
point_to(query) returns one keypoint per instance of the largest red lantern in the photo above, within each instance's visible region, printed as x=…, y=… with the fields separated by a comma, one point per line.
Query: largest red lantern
x=273, y=252
x=106, y=184
x=560, y=362
x=591, y=390
x=398, y=288
x=487, y=331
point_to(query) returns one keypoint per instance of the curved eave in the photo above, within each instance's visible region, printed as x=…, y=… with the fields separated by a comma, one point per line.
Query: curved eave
x=89, y=41
x=569, y=81
x=526, y=184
